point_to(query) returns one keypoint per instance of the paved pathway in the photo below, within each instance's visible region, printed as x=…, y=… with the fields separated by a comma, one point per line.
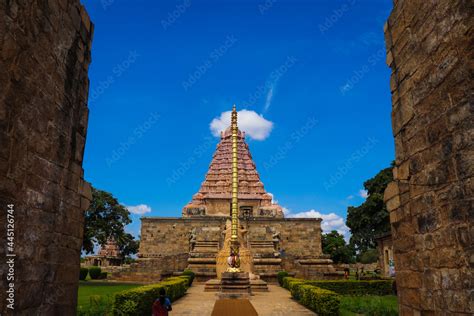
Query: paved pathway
x=276, y=302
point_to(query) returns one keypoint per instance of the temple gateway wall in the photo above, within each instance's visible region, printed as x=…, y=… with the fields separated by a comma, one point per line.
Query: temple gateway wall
x=429, y=49
x=44, y=60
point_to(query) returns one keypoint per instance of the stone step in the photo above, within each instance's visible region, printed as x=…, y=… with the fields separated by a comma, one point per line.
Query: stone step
x=207, y=242
x=202, y=260
x=215, y=285
x=267, y=261
x=256, y=244
x=315, y=261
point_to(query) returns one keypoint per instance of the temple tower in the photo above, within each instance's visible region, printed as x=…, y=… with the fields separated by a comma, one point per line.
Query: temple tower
x=214, y=197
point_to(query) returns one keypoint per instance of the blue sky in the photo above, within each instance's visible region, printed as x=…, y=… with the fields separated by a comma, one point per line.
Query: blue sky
x=311, y=76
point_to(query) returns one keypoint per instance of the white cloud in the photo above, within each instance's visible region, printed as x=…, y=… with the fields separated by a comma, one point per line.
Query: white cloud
x=268, y=99
x=254, y=125
x=350, y=197
x=271, y=90
x=139, y=209
x=330, y=222
x=363, y=194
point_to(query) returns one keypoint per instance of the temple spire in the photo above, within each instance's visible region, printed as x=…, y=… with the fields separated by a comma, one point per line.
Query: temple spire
x=235, y=177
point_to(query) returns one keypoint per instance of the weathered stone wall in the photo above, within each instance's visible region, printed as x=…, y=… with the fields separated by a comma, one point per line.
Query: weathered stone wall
x=300, y=238
x=44, y=59
x=165, y=238
x=429, y=49
x=170, y=236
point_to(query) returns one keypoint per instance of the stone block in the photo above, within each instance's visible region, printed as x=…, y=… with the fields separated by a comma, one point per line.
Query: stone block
x=393, y=203
x=408, y=279
x=391, y=191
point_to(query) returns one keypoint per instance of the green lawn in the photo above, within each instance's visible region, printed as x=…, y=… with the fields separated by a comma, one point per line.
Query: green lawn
x=101, y=288
x=369, y=305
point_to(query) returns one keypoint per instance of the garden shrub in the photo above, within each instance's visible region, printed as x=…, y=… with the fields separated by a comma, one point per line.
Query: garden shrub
x=139, y=301
x=83, y=273
x=94, y=272
x=324, y=296
x=288, y=280
x=280, y=276
x=355, y=287
x=321, y=301
x=103, y=275
x=191, y=274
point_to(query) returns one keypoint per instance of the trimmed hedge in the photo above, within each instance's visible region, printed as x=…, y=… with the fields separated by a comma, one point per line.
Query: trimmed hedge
x=95, y=272
x=288, y=280
x=83, y=273
x=321, y=301
x=355, y=287
x=280, y=276
x=139, y=301
x=191, y=274
x=103, y=275
x=348, y=287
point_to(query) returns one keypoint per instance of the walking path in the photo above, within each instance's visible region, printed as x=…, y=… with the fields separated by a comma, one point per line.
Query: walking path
x=276, y=302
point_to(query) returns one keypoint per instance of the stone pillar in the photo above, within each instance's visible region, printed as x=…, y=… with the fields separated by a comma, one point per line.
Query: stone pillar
x=44, y=58
x=429, y=49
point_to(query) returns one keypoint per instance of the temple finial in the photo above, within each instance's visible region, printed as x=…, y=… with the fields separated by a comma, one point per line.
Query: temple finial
x=234, y=118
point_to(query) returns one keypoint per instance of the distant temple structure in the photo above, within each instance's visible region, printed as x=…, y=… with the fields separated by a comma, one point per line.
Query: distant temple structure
x=169, y=245
x=385, y=250
x=108, y=256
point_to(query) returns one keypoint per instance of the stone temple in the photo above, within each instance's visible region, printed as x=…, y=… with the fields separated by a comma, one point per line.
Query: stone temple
x=276, y=243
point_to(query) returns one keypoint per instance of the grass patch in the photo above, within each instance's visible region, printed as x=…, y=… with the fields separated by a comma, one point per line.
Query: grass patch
x=369, y=305
x=87, y=289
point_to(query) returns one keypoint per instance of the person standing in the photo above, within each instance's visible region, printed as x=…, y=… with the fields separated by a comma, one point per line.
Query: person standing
x=162, y=305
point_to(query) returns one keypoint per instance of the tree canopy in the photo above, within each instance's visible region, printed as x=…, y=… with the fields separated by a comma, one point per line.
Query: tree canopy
x=334, y=245
x=107, y=218
x=371, y=218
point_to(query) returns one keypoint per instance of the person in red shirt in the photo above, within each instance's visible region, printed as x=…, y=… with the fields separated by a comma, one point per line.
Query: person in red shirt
x=162, y=305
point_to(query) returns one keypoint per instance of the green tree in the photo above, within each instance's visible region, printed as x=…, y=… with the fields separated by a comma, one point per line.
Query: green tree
x=107, y=218
x=371, y=218
x=128, y=245
x=369, y=256
x=334, y=245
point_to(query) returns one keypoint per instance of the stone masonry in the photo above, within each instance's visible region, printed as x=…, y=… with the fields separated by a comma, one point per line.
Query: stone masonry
x=430, y=51
x=44, y=60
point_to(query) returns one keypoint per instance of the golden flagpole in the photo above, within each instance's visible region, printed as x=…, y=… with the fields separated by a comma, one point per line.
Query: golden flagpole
x=235, y=177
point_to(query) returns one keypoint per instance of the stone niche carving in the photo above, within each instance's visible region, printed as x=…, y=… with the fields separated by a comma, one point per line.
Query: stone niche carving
x=196, y=211
x=265, y=212
x=192, y=239
x=246, y=212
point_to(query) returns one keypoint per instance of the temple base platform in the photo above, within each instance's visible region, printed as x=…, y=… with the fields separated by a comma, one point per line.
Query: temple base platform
x=235, y=285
